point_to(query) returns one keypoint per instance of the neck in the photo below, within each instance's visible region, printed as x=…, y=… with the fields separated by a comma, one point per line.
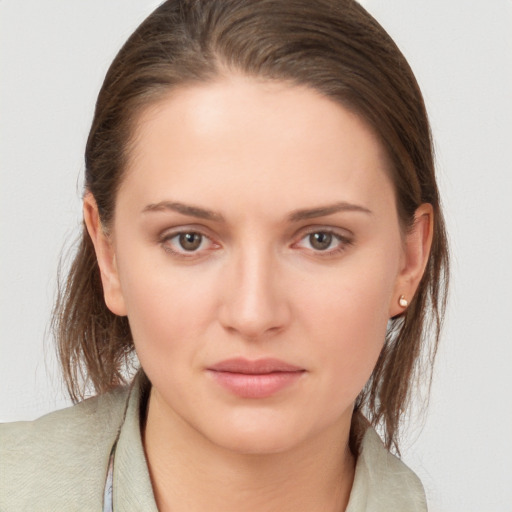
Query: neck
x=190, y=473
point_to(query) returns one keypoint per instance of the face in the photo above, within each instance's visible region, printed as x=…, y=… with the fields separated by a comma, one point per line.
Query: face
x=257, y=253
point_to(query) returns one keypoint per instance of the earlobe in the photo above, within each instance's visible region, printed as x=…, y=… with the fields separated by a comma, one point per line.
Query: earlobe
x=105, y=255
x=418, y=242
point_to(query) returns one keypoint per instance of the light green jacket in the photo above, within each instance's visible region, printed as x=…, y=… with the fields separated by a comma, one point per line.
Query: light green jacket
x=59, y=463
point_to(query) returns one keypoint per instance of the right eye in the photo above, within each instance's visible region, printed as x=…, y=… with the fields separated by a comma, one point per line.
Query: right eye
x=186, y=243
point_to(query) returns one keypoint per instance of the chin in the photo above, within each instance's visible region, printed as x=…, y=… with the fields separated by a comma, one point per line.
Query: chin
x=257, y=443
x=261, y=435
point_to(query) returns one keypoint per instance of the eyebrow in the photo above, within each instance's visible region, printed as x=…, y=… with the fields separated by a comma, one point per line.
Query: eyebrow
x=184, y=209
x=323, y=211
x=295, y=216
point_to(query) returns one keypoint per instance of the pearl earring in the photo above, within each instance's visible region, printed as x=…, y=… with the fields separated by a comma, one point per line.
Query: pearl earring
x=403, y=301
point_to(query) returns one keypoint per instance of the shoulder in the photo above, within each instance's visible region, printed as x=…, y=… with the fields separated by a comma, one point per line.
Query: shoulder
x=61, y=457
x=382, y=482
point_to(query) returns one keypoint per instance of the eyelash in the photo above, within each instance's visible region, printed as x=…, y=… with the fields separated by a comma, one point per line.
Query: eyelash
x=343, y=242
x=183, y=253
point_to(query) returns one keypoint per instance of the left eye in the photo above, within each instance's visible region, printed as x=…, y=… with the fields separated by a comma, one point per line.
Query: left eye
x=189, y=241
x=322, y=241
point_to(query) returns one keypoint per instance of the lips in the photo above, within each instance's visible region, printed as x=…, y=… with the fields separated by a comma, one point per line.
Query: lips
x=259, y=366
x=260, y=378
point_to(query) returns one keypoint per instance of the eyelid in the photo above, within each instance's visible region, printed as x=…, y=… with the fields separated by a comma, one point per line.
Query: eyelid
x=340, y=232
x=345, y=237
x=170, y=231
x=168, y=234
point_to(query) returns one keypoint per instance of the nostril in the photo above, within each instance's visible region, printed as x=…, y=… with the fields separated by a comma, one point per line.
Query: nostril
x=253, y=302
x=254, y=324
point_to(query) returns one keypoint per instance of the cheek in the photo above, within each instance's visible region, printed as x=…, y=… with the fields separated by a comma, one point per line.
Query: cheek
x=347, y=316
x=167, y=310
x=352, y=343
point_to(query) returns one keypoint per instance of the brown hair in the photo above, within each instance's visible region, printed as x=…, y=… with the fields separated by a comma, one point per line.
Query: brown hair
x=332, y=46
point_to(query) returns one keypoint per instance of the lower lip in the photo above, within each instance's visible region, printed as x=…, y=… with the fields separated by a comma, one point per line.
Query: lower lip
x=255, y=385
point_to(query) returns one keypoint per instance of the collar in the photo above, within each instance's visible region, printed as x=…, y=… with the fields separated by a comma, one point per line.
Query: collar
x=132, y=488
x=382, y=482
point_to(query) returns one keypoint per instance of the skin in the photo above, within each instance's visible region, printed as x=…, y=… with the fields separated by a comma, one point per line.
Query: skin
x=254, y=154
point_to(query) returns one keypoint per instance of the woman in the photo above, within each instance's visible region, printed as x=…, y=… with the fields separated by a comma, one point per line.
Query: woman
x=262, y=228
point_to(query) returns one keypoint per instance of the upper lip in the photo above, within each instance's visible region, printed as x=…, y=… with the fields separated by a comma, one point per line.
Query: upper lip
x=254, y=367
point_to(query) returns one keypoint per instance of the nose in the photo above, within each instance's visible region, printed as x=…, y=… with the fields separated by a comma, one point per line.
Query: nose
x=255, y=303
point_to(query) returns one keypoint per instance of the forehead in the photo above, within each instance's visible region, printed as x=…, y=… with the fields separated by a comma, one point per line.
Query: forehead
x=216, y=140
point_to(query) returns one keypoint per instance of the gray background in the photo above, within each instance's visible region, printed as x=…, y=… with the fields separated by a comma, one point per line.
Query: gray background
x=53, y=58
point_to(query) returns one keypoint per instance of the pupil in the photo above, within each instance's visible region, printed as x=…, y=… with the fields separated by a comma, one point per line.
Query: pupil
x=190, y=241
x=320, y=241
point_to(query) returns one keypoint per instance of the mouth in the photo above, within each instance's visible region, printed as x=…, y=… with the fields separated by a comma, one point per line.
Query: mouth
x=260, y=378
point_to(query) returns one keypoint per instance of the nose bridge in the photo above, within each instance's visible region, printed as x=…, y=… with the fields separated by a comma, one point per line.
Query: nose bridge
x=255, y=304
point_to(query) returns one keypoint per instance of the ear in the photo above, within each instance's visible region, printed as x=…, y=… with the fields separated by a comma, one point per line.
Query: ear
x=105, y=254
x=417, y=244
